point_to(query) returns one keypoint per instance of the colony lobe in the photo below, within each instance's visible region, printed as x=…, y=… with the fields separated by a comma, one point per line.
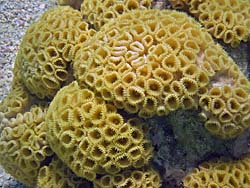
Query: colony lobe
x=45, y=53
x=23, y=145
x=220, y=173
x=228, y=20
x=152, y=62
x=91, y=137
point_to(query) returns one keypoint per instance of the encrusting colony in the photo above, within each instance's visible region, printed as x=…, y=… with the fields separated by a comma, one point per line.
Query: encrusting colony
x=99, y=12
x=228, y=20
x=57, y=174
x=46, y=50
x=218, y=174
x=23, y=145
x=91, y=137
x=152, y=62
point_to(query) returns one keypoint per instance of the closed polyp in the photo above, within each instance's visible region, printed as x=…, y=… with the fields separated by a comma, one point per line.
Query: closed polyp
x=246, y=121
x=213, y=126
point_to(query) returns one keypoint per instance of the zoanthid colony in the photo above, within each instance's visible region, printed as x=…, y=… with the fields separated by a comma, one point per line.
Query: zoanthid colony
x=99, y=12
x=228, y=20
x=152, y=62
x=145, y=177
x=91, y=137
x=57, y=174
x=220, y=173
x=139, y=64
x=23, y=145
x=46, y=50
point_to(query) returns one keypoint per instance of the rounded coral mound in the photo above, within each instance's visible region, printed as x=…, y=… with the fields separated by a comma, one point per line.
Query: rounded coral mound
x=57, y=174
x=46, y=50
x=91, y=137
x=152, y=62
x=146, y=178
x=217, y=174
x=145, y=61
x=99, y=12
x=23, y=145
x=228, y=20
